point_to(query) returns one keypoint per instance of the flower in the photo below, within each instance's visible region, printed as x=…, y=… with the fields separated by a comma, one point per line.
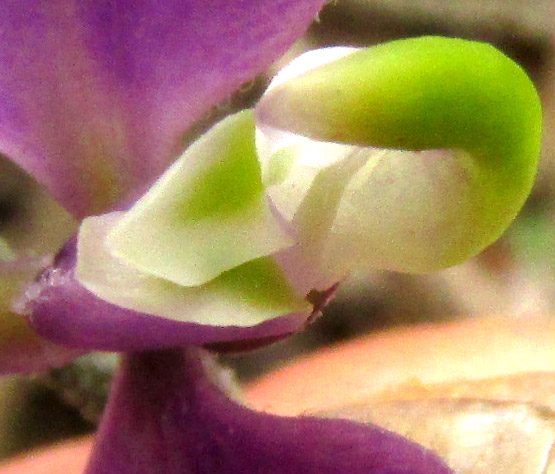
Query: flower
x=267, y=225
x=149, y=71
x=128, y=79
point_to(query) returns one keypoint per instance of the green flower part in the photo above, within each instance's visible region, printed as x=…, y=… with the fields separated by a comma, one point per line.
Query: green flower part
x=207, y=214
x=451, y=130
x=412, y=156
x=198, y=246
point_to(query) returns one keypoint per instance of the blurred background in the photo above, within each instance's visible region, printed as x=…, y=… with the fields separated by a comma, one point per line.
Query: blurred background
x=515, y=276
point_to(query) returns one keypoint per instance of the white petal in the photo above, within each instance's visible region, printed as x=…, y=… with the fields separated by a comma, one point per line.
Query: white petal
x=245, y=296
x=410, y=211
x=206, y=215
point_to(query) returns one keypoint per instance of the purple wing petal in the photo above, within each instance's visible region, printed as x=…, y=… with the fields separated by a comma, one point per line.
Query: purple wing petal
x=165, y=415
x=95, y=95
x=61, y=310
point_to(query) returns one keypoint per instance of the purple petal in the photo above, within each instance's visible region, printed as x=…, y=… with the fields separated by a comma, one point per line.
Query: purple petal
x=95, y=95
x=166, y=415
x=64, y=312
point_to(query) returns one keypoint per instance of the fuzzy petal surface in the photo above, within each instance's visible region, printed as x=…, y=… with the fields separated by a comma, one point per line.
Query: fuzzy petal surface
x=95, y=96
x=167, y=415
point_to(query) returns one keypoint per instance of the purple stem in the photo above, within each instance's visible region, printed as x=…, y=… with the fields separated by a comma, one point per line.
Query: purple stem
x=166, y=415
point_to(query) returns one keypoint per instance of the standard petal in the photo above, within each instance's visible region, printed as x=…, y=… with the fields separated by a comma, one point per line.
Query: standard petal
x=63, y=311
x=167, y=415
x=95, y=95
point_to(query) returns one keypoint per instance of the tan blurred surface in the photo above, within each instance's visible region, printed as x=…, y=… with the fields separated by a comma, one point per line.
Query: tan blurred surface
x=68, y=458
x=478, y=392
x=472, y=436
x=420, y=356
